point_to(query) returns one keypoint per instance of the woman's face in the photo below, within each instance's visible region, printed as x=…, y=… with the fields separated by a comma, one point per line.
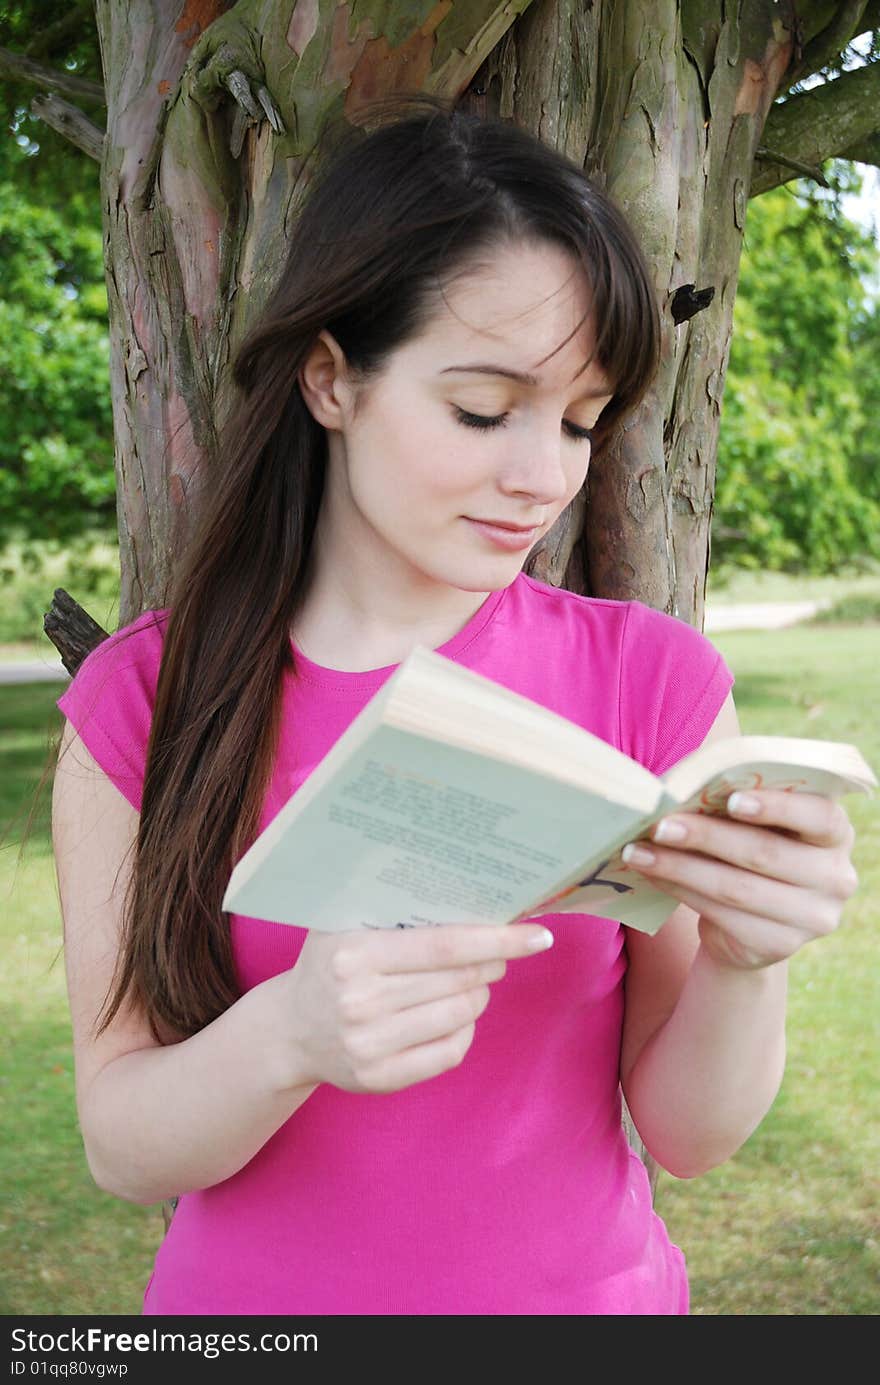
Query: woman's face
x=436, y=448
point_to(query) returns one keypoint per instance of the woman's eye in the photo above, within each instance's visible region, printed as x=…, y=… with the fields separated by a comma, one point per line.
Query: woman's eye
x=480, y=421
x=579, y=434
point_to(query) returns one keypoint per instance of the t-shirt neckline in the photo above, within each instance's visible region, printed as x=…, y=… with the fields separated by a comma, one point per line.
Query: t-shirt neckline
x=364, y=679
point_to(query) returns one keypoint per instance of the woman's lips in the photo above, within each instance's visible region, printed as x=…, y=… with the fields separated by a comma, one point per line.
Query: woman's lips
x=513, y=540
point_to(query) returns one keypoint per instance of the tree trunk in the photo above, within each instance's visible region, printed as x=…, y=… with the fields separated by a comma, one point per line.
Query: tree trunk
x=674, y=145
x=199, y=184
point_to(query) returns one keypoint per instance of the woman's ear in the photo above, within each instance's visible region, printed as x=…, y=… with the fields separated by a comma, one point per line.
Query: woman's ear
x=324, y=384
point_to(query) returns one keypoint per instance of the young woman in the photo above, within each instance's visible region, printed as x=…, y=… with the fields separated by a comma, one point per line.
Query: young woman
x=420, y=1122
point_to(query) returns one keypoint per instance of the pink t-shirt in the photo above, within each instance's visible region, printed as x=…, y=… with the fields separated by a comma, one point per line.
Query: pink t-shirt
x=505, y=1186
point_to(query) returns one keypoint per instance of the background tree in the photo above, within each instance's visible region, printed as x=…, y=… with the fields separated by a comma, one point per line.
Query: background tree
x=865, y=467
x=55, y=420
x=799, y=456
x=56, y=429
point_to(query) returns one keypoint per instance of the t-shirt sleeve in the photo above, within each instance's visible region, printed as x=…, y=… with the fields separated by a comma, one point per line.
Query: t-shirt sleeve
x=110, y=701
x=673, y=684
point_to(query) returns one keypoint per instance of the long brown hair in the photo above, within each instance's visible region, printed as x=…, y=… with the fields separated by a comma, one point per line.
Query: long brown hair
x=394, y=212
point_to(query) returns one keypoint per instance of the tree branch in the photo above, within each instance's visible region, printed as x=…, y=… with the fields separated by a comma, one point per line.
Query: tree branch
x=866, y=151
x=870, y=19
x=70, y=122
x=830, y=42
x=21, y=69
x=770, y=156
x=816, y=125
x=71, y=630
x=59, y=32
x=812, y=16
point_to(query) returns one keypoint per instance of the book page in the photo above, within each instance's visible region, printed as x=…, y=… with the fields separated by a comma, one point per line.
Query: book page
x=413, y=832
x=431, y=695
x=614, y=891
x=608, y=888
x=704, y=780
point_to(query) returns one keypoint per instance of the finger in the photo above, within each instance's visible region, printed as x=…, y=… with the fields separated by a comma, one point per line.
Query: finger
x=370, y=996
x=420, y=1024
x=763, y=850
x=418, y=1064
x=439, y=949
x=406, y=988
x=721, y=886
x=812, y=817
x=749, y=939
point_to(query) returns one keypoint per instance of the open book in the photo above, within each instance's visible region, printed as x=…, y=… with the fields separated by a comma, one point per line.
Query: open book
x=451, y=799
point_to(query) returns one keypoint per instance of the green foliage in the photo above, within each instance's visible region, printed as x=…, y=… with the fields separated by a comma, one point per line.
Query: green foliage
x=798, y=483
x=56, y=436
x=63, y=37
x=865, y=462
x=860, y=608
x=86, y=566
x=56, y=430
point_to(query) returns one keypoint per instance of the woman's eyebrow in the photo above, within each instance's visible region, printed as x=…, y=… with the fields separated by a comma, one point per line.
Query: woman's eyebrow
x=522, y=377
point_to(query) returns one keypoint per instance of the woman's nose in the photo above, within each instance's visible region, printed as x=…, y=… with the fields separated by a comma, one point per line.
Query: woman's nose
x=544, y=466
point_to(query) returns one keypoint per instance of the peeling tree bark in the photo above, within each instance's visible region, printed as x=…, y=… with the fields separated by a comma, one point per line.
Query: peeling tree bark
x=197, y=193
x=675, y=146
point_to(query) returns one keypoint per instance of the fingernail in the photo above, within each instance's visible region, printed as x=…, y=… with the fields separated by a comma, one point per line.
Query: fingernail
x=743, y=803
x=637, y=855
x=668, y=830
x=539, y=942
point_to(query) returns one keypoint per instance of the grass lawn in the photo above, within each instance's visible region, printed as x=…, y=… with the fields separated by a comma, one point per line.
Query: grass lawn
x=789, y=1226
x=742, y=585
x=67, y=1248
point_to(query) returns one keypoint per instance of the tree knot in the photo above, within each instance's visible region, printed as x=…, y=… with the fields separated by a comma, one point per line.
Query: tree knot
x=689, y=300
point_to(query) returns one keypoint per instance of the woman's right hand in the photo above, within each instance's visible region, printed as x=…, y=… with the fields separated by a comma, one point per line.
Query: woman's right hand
x=379, y=1010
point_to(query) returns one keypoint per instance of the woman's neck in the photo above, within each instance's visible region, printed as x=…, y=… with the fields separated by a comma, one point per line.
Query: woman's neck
x=339, y=629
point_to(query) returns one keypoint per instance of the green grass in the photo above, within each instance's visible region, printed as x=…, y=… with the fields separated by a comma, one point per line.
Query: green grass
x=731, y=587
x=67, y=1248
x=788, y=1226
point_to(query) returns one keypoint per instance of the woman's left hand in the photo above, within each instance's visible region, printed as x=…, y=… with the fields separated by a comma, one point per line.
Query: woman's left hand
x=766, y=880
